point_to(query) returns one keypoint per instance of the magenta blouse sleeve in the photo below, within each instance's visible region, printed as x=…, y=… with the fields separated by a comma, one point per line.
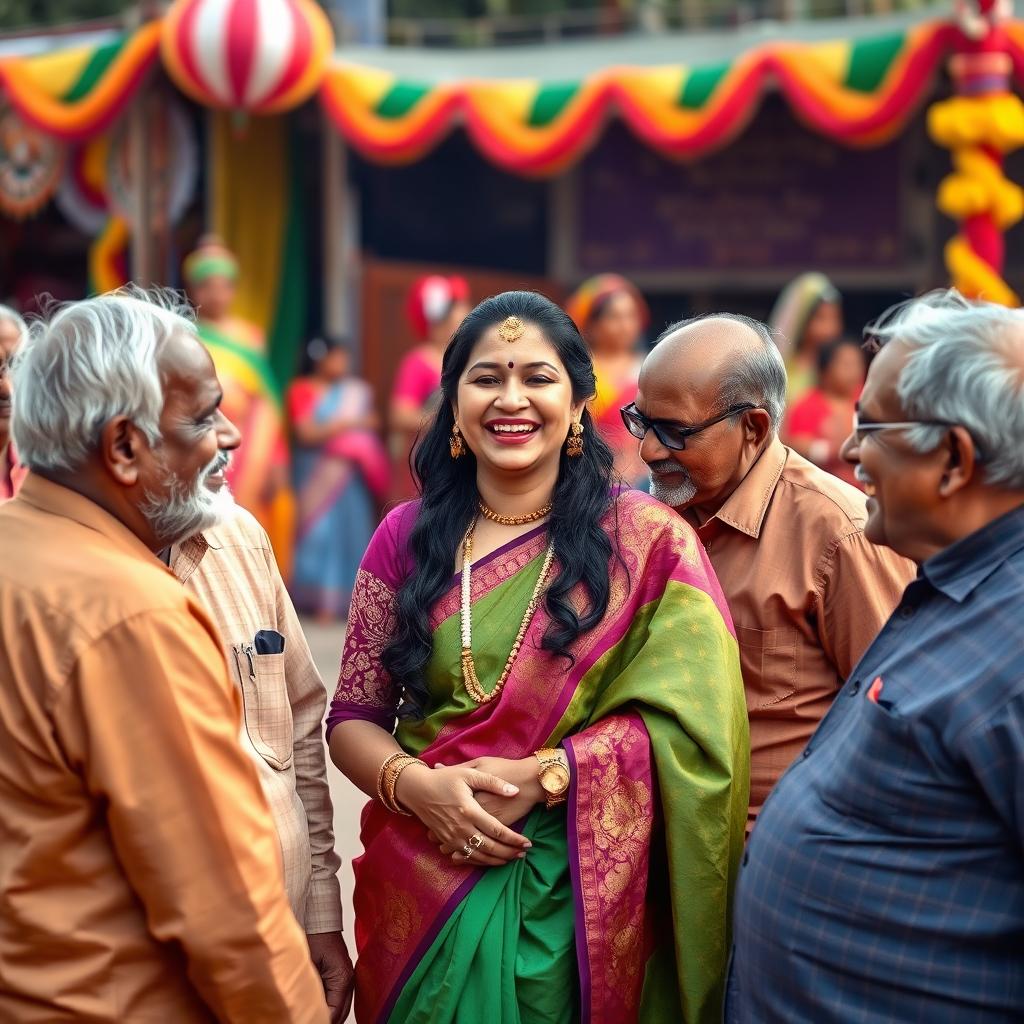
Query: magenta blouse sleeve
x=365, y=691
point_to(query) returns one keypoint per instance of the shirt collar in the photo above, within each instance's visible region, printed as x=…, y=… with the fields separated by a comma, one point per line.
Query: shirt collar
x=58, y=500
x=746, y=507
x=958, y=570
x=186, y=555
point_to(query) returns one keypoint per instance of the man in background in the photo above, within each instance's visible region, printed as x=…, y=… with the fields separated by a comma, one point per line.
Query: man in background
x=807, y=591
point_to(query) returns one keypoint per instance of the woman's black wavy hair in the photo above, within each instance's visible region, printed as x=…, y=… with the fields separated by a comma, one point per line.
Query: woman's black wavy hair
x=449, y=500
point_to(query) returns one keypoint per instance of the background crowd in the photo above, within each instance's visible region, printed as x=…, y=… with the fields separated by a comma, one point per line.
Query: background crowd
x=319, y=464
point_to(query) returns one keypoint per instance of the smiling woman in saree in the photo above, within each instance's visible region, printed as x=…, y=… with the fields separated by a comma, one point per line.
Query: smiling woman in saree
x=558, y=815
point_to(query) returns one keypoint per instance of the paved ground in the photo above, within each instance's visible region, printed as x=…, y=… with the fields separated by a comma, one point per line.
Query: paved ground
x=325, y=643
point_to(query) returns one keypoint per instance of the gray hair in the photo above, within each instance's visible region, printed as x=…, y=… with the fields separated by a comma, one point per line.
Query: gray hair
x=966, y=366
x=758, y=378
x=87, y=363
x=12, y=316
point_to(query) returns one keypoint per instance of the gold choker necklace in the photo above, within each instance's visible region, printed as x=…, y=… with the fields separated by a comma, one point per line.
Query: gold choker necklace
x=530, y=517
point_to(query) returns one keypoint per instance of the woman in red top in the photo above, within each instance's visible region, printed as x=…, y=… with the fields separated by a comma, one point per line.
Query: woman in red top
x=12, y=330
x=436, y=305
x=819, y=422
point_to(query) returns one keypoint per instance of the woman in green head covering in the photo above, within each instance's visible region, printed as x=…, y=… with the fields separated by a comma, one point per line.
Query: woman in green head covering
x=807, y=314
x=258, y=475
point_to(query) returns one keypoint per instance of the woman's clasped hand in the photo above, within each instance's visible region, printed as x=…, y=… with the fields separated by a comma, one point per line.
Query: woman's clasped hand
x=448, y=801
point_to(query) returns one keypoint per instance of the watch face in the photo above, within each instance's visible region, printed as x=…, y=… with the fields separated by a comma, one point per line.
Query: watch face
x=554, y=780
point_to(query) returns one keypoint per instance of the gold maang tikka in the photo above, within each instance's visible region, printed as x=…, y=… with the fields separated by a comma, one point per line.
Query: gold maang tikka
x=511, y=329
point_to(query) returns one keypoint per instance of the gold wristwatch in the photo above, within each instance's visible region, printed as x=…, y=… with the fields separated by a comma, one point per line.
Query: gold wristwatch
x=553, y=776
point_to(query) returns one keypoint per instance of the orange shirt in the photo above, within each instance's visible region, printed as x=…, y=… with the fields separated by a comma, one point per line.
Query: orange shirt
x=808, y=593
x=140, y=874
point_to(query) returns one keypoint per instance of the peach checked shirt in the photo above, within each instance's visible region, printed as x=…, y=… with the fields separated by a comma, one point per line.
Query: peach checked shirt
x=232, y=571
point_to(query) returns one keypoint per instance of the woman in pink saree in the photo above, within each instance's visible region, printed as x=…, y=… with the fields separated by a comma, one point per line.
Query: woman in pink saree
x=339, y=471
x=540, y=690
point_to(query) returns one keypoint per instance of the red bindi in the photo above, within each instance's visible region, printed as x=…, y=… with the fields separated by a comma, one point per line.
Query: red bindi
x=511, y=365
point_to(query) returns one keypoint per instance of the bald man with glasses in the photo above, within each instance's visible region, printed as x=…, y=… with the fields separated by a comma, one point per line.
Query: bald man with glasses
x=807, y=591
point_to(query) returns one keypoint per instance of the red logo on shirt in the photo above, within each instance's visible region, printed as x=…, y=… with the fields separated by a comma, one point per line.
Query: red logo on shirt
x=875, y=690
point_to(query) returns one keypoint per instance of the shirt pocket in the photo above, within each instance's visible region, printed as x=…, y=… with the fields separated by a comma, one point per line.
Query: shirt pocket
x=768, y=659
x=872, y=763
x=265, y=703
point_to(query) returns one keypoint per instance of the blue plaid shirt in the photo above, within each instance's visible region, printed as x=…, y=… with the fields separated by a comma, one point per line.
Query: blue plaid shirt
x=884, y=879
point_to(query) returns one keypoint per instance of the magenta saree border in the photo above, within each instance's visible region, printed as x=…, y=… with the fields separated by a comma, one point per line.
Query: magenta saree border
x=582, y=957
x=427, y=941
x=611, y=821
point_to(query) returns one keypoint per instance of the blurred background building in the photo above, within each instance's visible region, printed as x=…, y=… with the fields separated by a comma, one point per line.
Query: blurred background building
x=709, y=151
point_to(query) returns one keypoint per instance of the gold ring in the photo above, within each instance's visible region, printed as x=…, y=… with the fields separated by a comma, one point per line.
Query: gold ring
x=467, y=851
x=476, y=841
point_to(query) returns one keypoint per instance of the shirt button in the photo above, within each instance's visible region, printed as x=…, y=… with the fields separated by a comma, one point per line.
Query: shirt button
x=907, y=611
x=807, y=752
x=854, y=688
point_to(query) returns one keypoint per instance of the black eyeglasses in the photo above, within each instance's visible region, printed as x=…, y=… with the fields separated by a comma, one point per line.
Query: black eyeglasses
x=671, y=434
x=868, y=429
x=862, y=430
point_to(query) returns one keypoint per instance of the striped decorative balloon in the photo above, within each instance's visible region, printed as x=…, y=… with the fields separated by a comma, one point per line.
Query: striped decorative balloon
x=261, y=56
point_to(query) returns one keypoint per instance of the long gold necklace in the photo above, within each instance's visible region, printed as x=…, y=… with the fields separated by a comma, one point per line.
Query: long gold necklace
x=531, y=517
x=469, y=676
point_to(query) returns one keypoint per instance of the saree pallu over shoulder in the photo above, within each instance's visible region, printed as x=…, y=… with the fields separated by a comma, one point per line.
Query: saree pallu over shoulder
x=613, y=806
x=653, y=717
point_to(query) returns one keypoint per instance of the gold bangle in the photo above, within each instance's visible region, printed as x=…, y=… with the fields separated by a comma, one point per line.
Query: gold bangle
x=391, y=774
x=391, y=783
x=383, y=769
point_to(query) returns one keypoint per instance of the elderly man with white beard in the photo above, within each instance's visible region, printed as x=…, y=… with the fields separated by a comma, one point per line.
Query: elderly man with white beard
x=807, y=592
x=141, y=872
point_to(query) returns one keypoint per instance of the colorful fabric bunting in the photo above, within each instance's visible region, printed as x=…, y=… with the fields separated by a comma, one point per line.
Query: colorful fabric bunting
x=859, y=93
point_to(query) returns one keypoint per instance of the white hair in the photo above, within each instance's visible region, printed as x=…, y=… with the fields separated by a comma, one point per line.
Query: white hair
x=12, y=316
x=965, y=365
x=87, y=363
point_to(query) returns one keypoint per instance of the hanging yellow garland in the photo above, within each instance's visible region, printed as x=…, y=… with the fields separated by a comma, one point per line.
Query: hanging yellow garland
x=979, y=130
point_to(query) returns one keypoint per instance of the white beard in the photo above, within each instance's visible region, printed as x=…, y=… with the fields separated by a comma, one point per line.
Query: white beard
x=675, y=495
x=184, y=513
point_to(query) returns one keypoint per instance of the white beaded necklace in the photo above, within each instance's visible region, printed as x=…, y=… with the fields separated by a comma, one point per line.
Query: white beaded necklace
x=469, y=676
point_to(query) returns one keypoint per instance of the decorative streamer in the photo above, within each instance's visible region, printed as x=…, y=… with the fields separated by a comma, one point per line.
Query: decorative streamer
x=108, y=257
x=859, y=93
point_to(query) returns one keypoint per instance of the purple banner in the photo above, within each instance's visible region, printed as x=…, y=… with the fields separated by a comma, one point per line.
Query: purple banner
x=778, y=198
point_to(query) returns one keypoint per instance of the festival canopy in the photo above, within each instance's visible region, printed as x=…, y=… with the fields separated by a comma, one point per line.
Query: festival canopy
x=529, y=117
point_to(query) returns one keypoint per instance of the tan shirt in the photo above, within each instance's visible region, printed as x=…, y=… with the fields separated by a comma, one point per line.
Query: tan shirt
x=808, y=593
x=140, y=876
x=233, y=572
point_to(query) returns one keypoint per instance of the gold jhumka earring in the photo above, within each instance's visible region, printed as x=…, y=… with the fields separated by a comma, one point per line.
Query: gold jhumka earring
x=574, y=443
x=511, y=329
x=455, y=442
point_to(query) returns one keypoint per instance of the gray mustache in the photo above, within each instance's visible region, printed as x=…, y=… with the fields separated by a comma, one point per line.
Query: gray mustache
x=221, y=462
x=666, y=466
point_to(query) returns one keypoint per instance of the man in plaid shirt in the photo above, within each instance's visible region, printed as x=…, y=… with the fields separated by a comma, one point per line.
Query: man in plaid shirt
x=884, y=879
x=231, y=569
